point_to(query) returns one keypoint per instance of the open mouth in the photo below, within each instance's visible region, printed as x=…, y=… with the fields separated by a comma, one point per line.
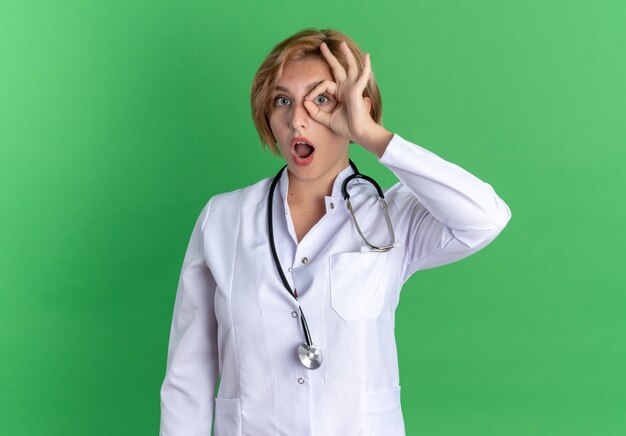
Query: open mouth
x=303, y=150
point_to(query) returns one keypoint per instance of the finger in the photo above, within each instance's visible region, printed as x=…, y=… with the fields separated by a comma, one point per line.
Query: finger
x=317, y=113
x=325, y=86
x=338, y=71
x=353, y=69
x=365, y=74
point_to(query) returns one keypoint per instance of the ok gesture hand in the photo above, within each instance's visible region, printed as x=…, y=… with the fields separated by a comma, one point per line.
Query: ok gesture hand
x=351, y=118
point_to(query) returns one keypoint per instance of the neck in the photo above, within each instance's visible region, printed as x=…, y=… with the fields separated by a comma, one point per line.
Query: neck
x=311, y=192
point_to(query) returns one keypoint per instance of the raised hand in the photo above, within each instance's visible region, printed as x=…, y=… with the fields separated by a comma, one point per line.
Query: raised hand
x=350, y=118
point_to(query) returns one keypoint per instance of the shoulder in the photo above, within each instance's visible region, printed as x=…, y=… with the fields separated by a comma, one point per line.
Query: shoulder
x=401, y=197
x=396, y=190
x=226, y=204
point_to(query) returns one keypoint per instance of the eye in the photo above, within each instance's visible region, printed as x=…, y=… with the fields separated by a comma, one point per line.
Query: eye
x=279, y=98
x=323, y=96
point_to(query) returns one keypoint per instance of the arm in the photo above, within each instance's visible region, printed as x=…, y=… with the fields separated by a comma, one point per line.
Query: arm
x=450, y=213
x=187, y=392
x=446, y=212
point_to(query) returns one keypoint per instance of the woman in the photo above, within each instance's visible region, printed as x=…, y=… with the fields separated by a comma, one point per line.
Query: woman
x=280, y=297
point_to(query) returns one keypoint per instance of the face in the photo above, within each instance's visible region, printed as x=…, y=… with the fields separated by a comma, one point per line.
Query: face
x=289, y=118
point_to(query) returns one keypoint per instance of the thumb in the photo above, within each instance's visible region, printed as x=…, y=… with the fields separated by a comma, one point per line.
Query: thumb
x=317, y=114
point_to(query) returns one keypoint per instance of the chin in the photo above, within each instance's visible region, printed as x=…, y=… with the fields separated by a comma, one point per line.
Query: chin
x=308, y=172
x=311, y=172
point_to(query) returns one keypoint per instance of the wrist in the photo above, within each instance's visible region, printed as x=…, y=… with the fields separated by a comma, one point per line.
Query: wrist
x=376, y=140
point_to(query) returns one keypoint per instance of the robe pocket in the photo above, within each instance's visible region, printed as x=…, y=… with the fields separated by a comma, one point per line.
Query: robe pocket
x=384, y=413
x=227, y=417
x=356, y=284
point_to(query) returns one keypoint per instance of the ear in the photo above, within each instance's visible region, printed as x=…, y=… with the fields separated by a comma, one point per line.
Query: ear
x=368, y=103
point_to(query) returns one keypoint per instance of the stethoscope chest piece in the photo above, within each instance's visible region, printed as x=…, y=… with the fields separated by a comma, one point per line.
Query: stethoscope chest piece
x=310, y=356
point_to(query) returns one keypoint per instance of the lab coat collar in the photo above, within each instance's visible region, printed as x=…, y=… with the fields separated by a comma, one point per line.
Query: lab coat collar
x=336, y=194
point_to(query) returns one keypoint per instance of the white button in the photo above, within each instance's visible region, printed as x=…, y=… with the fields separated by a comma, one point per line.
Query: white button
x=300, y=380
x=289, y=269
x=294, y=314
x=305, y=260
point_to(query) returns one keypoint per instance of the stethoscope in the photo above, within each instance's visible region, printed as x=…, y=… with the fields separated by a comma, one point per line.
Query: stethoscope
x=310, y=354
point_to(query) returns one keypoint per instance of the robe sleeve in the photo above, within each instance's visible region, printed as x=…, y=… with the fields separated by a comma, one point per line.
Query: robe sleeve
x=187, y=391
x=445, y=213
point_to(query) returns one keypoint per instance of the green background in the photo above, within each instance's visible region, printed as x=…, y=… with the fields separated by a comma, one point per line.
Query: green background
x=119, y=120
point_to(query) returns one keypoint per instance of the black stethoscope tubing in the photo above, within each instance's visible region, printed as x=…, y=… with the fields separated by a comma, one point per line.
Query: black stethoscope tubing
x=270, y=225
x=346, y=196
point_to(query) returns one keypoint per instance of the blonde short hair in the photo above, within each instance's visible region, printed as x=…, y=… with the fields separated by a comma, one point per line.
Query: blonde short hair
x=304, y=44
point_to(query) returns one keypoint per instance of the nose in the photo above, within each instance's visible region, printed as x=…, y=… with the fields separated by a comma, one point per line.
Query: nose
x=299, y=116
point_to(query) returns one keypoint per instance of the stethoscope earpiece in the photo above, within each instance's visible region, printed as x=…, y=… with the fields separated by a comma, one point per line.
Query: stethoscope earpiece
x=367, y=248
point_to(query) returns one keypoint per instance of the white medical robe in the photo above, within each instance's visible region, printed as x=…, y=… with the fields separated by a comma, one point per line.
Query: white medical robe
x=235, y=322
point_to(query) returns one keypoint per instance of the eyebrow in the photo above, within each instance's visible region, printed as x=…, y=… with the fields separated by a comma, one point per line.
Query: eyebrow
x=309, y=87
